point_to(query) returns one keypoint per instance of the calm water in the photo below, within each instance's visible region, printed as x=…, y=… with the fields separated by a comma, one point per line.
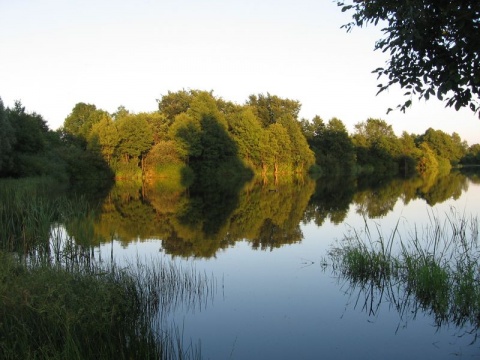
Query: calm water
x=266, y=246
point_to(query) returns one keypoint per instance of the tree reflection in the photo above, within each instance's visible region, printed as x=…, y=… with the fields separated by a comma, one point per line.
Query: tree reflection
x=331, y=200
x=207, y=216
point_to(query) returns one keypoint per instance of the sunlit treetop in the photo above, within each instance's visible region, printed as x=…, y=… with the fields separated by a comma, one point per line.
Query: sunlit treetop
x=434, y=47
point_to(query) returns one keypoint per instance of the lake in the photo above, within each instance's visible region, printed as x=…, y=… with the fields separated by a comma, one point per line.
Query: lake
x=277, y=294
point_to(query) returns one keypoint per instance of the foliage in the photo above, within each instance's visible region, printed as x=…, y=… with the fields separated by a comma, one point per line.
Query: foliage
x=332, y=145
x=7, y=140
x=271, y=109
x=104, y=137
x=433, y=47
x=472, y=156
x=135, y=135
x=377, y=145
x=210, y=136
x=449, y=147
x=80, y=121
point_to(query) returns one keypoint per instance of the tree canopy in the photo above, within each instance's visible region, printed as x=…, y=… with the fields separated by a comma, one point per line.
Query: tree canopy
x=434, y=47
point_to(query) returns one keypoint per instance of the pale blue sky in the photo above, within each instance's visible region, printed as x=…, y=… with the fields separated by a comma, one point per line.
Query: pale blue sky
x=56, y=53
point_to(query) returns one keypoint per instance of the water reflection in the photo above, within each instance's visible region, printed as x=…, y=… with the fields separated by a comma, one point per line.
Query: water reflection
x=199, y=221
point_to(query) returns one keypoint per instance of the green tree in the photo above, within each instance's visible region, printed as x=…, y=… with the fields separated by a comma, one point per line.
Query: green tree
x=30, y=130
x=433, y=46
x=29, y=143
x=104, y=134
x=7, y=140
x=377, y=146
x=79, y=122
x=186, y=131
x=266, y=150
x=175, y=103
x=314, y=132
x=449, y=147
x=302, y=157
x=428, y=160
x=472, y=156
x=246, y=131
x=135, y=137
x=334, y=148
x=281, y=148
x=159, y=124
x=409, y=153
x=271, y=109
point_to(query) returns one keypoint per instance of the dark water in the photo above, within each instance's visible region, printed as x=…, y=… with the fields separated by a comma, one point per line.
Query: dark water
x=277, y=295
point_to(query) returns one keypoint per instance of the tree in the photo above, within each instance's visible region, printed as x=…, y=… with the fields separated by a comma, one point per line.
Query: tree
x=186, y=131
x=175, y=103
x=280, y=147
x=428, y=161
x=30, y=130
x=434, y=47
x=409, y=153
x=314, y=132
x=80, y=121
x=449, y=147
x=472, y=156
x=377, y=145
x=7, y=140
x=159, y=125
x=271, y=109
x=104, y=134
x=246, y=132
x=135, y=137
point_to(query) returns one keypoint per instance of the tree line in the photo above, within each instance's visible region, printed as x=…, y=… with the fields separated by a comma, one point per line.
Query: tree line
x=196, y=129
x=375, y=148
x=28, y=148
x=200, y=133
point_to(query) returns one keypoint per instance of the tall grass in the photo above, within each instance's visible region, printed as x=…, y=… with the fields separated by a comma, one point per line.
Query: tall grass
x=59, y=302
x=27, y=210
x=434, y=269
x=94, y=312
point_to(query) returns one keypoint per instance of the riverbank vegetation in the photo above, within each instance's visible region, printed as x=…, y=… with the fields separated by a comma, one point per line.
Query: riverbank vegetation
x=60, y=302
x=196, y=135
x=434, y=270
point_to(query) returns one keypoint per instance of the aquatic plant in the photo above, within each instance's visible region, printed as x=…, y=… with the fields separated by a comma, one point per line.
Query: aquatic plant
x=96, y=311
x=59, y=302
x=435, y=270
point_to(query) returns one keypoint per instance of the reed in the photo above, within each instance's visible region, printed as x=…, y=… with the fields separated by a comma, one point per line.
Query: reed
x=96, y=311
x=59, y=302
x=436, y=269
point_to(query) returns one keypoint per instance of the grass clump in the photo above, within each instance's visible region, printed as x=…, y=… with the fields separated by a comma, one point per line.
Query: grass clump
x=58, y=302
x=438, y=272
x=49, y=312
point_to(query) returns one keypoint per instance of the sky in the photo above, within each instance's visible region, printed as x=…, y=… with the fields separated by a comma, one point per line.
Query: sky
x=56, y=53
